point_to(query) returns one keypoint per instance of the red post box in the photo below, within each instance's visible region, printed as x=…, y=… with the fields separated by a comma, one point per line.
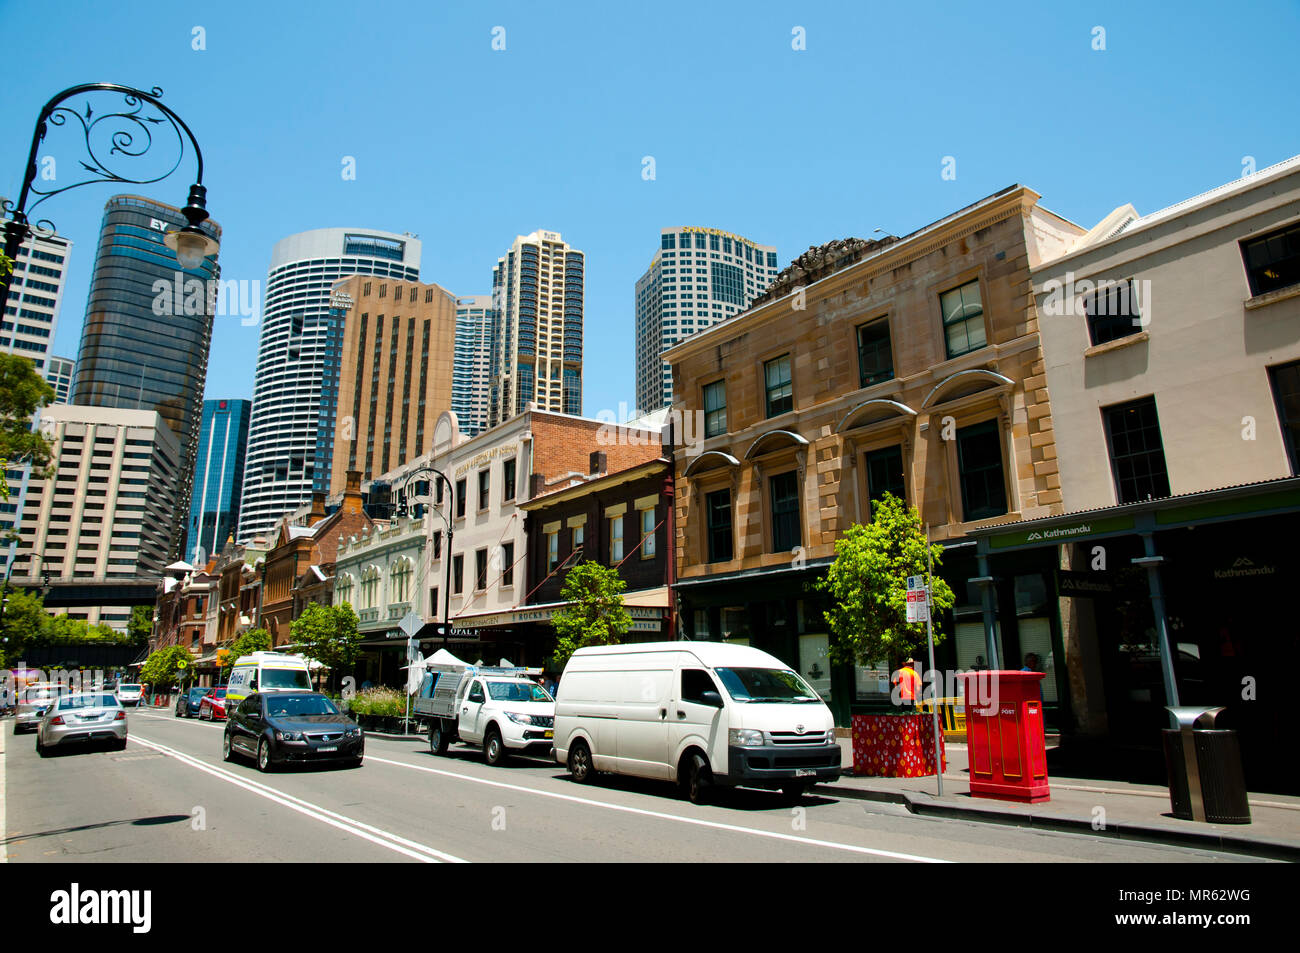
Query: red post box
x=1004, y=736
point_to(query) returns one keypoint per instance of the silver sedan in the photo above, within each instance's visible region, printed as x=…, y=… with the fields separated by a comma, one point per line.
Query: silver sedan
x=90, y=717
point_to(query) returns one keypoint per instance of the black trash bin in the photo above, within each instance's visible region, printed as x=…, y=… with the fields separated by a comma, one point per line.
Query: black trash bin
x=1223, y=783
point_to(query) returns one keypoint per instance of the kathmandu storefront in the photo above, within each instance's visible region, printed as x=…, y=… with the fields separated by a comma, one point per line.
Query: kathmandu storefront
x=1173, y=601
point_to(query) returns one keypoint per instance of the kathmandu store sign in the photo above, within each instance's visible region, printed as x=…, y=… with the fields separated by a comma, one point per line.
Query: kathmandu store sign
x=1062, y=534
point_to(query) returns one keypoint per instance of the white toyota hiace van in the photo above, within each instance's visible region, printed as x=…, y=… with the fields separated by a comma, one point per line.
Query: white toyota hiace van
x=702, y=714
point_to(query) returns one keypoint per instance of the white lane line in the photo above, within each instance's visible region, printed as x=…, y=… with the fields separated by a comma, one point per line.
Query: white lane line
x=4, y=853
x=810, y=841
x=383, y=838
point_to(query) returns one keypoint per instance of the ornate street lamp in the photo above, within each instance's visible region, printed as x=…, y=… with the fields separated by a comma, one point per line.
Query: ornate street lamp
x=129, y=132
x=446, y=556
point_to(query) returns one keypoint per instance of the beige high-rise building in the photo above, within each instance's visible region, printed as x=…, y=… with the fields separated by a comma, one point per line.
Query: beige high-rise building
x=106, y=513
x=395, y=373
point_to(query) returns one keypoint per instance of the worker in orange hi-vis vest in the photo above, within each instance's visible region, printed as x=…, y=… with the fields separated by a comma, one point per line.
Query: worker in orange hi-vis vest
x=908, y=683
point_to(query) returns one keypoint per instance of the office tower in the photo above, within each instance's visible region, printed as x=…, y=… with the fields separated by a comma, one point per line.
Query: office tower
x=32, y=312
x=395, y=375
x=698, y=277
x=148, y=329
x=106, y=513
x=537, y=291
x=59, y=372
x=469, y=382
x=298, y=355
x=218, y=479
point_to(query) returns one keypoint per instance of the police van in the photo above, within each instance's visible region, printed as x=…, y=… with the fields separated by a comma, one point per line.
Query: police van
x=267, y=672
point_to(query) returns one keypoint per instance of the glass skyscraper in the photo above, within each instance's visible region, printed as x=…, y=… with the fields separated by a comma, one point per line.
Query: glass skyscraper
x=298, y=369
x=469, y=387
x=148, y=329
x=219, y=477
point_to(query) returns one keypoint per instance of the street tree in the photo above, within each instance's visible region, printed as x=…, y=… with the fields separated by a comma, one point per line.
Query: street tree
x=24, y=622
x=140, y=627
x=329, y=635
x=165, y=667
x=867, y=585
x=254, y=640
x=22, y=392
x=594, y=614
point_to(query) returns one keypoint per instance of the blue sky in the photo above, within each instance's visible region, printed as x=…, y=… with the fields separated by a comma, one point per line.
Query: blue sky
x=467, y=146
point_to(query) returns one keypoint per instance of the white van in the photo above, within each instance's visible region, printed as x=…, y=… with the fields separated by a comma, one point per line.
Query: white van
x=266, y=672
x=702, y=714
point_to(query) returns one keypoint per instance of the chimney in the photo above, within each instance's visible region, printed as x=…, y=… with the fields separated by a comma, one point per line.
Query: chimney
x=598, y=463
x=352, y=492
x=317, y=508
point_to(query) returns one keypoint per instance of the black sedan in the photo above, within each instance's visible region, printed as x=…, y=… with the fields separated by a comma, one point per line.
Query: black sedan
x=187, y=703
x=279, y=727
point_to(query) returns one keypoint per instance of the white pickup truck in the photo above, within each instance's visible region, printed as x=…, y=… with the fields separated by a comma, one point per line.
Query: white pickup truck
x=500, y=709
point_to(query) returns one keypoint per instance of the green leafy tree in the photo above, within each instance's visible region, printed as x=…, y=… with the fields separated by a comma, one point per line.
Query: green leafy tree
x=329, y=635
x=140, y=627
x=254, y=640
x=163, y=669
x=867, y=584
x=595, y=614
x=22, y=392
x=24, y=623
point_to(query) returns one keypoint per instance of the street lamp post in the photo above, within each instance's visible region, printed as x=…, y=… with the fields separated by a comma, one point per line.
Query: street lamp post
x=129, y=133
x=446, y=556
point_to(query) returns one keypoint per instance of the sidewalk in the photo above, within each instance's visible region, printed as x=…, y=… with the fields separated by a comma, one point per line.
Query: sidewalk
x=1101, y=808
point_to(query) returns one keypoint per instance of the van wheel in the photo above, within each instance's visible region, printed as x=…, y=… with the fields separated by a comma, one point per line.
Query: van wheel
x=494, y=749
x=581, y=765
x=438, y=740
x=699, y=780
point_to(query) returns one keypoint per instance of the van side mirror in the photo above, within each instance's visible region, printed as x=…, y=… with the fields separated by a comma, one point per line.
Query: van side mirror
x=712, y=699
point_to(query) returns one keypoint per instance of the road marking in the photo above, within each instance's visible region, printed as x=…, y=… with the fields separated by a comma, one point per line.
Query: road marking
x=813, y=842
x=4, y=854
x=394, y=842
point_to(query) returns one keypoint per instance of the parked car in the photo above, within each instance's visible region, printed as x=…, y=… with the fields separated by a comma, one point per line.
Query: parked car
x=129, y=694
x=702, y=714
x=278, y=727
x=82, y=718
x=187, y=703
x=500, y=709
x=212, y=706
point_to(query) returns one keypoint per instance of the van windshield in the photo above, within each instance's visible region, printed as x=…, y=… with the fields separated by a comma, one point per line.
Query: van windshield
x=766, y=685
x=285, y=678
x=517, y=692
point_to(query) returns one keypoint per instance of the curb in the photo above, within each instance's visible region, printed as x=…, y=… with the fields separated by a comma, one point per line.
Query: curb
x=922, y=805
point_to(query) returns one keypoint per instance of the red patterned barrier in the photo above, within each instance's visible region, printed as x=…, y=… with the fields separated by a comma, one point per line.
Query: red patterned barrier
x=894, y=746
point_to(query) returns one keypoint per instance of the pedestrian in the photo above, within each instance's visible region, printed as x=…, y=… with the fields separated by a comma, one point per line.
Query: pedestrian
x=907, y=682
x=1031, y=662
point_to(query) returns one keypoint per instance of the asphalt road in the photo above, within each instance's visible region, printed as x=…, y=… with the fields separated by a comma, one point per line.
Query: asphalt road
x=170, y=797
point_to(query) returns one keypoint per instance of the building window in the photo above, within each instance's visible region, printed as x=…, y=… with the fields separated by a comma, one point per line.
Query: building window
x=717, y=509
x=480, y=570
x=647, y=534
x=884, y=475
x=508, y=480
x=460, y=498
x=785, y=512
x=437, y=545
x=484, y=479
x=1137, y=456
x=507, y=564
x=875, y=358
x=715, y=408
x=979, y=462
x=1286, y=394
x=552, y=551
x=434, y=605
x=1112, y=312
x=615, y=540
x=780, y=391
x=1273, y=260
x=579, y=534
x=457, y=573
x=963, y=319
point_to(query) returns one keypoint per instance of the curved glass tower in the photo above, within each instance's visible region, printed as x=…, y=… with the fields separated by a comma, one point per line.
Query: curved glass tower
x=298, y=362
x=144, y=345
